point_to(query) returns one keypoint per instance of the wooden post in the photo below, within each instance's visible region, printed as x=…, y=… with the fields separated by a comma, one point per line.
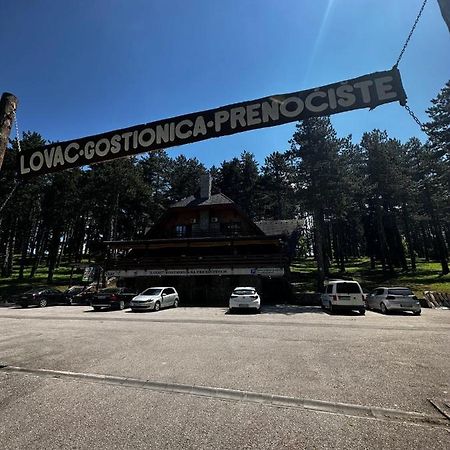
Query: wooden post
x=8, y=106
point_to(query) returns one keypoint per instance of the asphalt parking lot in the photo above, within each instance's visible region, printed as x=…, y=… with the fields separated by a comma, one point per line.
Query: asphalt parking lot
x=290, y=377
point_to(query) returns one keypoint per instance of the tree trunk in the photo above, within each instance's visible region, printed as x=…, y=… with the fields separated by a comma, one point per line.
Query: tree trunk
x=41, y=238
x=53, y=253
x=384, y=251
x=318, y=249
x=23, y=255
x=409, y=239
x=425, y=243
x=9, y=250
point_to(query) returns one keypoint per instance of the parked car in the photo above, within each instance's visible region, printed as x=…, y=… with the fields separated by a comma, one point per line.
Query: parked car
x=155, y=298
x=388, y=299
x=41, y=297
x=112, y=298
x=343, y=294
x=79, y=294
x=245, y=298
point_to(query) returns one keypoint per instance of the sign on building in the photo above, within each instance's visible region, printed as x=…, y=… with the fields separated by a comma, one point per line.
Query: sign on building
x=261, y=271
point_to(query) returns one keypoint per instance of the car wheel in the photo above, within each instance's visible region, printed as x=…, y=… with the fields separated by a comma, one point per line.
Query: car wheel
x=42, y=303
x=69, y=302
x=97, y=308
x=417, y=313
x=121, y=305
x=157, y=306
x=383, y=308
x=331, y=309
x=175, y=303
x=362, y=311
x=24, y=305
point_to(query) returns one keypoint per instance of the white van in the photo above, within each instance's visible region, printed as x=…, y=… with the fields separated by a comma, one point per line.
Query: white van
x=343, y=294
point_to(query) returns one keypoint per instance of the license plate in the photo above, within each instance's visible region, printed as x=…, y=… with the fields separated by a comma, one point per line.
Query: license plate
x=243, y=305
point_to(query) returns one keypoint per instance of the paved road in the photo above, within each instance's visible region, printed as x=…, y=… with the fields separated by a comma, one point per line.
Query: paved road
x=154, y=367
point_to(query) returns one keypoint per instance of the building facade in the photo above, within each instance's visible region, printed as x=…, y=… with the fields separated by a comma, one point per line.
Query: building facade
x=204, y=246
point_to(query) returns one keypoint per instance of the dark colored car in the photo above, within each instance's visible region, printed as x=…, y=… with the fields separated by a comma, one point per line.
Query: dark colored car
x=41, y=297
x=112, y=298
x=80, y=294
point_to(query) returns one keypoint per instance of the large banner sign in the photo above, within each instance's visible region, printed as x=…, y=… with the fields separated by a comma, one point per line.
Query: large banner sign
x=368, y=91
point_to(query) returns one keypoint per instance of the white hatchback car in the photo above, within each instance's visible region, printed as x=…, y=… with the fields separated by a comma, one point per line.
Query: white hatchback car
x=155, y=298
x=245, y=298
x=393, y=299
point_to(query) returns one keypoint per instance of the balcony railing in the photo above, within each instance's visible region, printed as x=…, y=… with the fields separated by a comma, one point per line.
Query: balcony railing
x=197, y=262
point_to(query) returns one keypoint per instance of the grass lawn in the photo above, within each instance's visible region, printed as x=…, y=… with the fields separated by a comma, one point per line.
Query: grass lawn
x=61, y=278
x=426, y=278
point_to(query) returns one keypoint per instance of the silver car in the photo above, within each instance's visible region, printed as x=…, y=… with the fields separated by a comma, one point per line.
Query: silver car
x=155, y=298
x=388, y=299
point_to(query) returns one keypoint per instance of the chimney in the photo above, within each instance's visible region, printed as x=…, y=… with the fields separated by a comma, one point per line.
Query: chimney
x=205, y=185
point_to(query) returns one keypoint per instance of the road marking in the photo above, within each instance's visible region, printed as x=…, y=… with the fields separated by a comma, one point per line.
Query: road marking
x=362, y=325
x=345, y=409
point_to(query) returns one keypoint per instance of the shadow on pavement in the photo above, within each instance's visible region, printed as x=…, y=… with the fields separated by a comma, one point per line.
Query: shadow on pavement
x=393, y=313
x=289, y=310
x=241, y=312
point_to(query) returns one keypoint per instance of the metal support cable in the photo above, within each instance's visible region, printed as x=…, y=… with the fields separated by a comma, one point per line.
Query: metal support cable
x=16, y=183
x=415, y=118
x=411, y=33
x=410, y=112
x=16, y=123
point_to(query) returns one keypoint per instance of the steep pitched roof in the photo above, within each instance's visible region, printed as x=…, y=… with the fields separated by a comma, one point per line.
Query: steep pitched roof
x=215, y=199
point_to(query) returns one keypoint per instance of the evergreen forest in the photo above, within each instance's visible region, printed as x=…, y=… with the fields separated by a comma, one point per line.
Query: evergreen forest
x=379, y=198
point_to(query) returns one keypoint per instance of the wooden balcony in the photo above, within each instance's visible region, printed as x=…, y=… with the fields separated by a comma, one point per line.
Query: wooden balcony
x=198, y=262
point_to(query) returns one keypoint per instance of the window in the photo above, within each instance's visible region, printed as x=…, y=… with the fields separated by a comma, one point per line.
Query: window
x=400, y=291
x=180, y=230
x=152, y=291
x=347, y=288
x=231, y=229
x=244, y=292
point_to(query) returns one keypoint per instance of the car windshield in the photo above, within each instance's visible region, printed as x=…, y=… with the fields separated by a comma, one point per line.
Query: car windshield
x=400, y=291
x=244, y=291
x=151, y=291
x=110, y=290
x=75, y=289
x=35, y=291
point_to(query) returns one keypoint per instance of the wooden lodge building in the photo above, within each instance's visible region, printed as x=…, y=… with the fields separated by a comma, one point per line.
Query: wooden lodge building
x=205, y=246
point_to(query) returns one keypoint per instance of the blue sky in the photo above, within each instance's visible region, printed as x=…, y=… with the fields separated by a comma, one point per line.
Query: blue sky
x=85, y=67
